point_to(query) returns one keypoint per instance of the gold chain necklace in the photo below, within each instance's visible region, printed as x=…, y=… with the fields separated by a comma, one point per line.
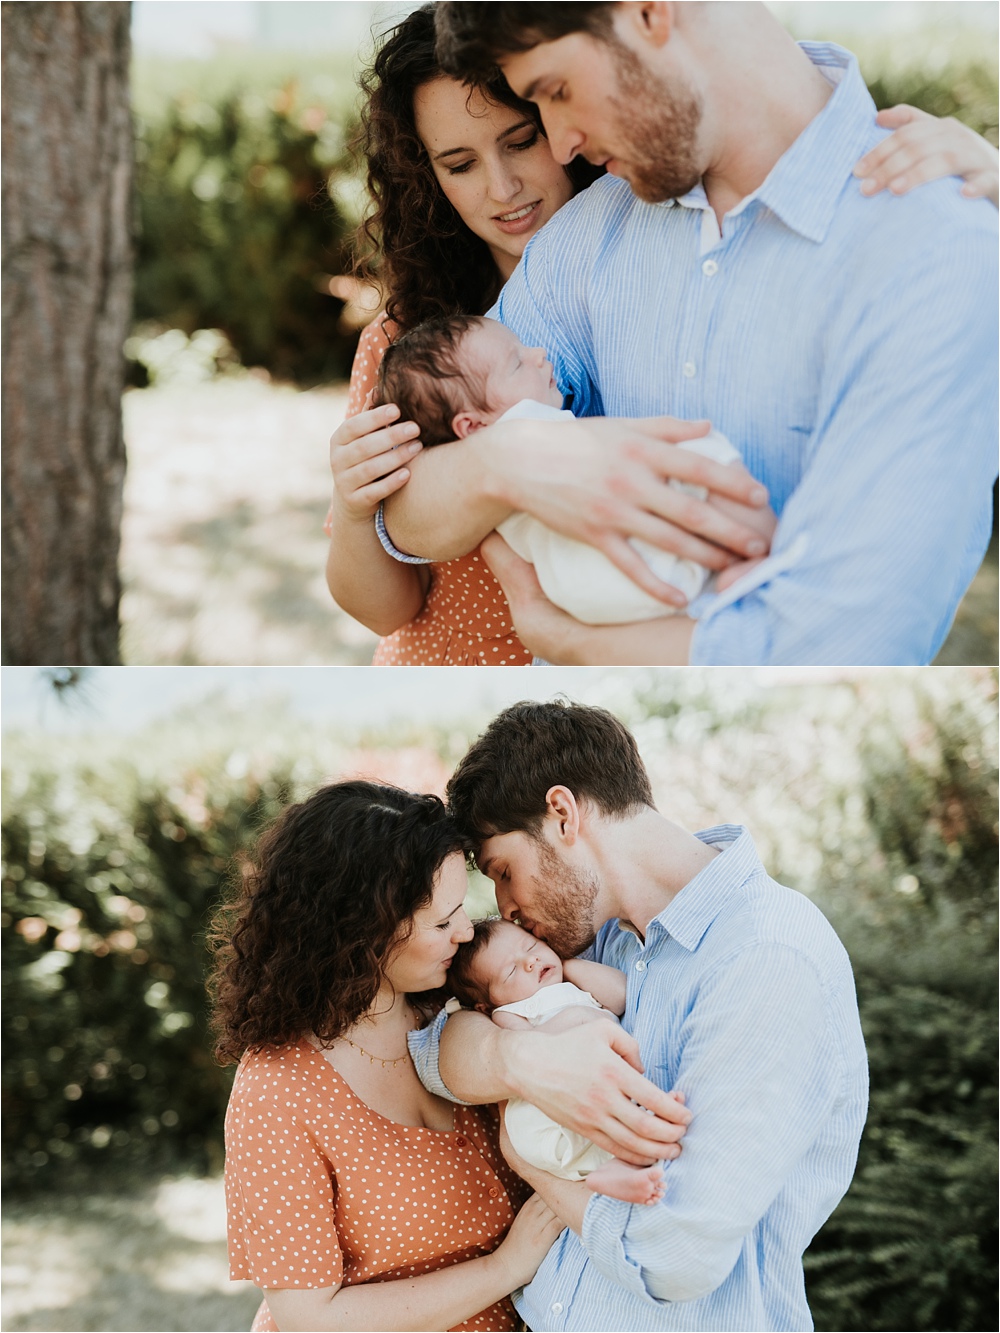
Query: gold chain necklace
x=386, y=1064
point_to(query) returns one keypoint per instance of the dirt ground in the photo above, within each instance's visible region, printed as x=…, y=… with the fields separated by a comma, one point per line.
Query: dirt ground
x=223, y=548
x=123, y=1261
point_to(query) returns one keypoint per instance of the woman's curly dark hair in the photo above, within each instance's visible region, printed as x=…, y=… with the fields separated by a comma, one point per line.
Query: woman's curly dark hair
x=413, y=244
x=300, y=945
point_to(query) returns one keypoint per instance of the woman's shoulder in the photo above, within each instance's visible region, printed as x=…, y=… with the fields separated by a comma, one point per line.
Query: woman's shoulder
x=286, y=1073
x=375, y=338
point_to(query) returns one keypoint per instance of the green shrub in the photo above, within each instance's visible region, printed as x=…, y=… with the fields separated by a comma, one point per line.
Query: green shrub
x=239, y=229
x=105, y=1027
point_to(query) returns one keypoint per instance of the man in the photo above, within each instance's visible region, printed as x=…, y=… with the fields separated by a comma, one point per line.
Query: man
x=740, y=997
x=730, y=268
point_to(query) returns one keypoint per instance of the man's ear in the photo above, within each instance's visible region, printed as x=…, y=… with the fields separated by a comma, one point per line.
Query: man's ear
x=564, y=812
x=464, y=423
x=652, y=21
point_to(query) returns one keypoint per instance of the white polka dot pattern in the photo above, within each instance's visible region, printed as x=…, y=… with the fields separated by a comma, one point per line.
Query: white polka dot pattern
x=465, y=619
x=320, y=1189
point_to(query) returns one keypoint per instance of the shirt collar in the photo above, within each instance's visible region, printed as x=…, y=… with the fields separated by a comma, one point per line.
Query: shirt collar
x=687, y=916
x=804, y=185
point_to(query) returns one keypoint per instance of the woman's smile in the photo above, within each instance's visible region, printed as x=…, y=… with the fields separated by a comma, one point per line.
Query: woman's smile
x=519, y=220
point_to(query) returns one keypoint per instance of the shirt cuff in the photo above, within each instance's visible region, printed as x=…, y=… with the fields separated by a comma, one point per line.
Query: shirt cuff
x=425, y=1047
x=603, y=1235
x=390, y=549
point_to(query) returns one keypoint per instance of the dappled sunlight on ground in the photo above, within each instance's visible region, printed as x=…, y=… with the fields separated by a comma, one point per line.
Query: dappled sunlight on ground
x=154, y=1260
x=223, y=550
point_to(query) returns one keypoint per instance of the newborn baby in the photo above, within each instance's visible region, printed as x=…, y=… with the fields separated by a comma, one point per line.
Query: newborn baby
x=505, y=972
x=453, y=376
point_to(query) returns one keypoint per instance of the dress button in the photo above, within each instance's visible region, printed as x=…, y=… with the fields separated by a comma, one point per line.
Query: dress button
x=688, y=370
x=494, y=1193
x=557, y=1307
x=710, y=268
x=640, y=966
x=461, y=1142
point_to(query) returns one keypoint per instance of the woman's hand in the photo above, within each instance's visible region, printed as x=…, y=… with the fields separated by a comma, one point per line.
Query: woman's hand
x=532, y=1234
x=925, y=148
x=368, y=457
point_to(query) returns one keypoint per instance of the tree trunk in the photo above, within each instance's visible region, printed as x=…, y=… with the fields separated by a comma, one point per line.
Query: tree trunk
x=67, y=252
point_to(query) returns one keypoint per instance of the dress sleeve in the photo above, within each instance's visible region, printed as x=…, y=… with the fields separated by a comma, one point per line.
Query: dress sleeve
x=371, y=348
x=280, y=1194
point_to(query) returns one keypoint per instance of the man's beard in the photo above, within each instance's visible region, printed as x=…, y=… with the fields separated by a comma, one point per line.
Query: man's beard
x=658, y=129
x=568, y=924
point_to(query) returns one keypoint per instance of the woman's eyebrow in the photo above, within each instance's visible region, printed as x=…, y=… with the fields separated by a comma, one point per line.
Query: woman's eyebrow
x=513, y=129
x=450, y=152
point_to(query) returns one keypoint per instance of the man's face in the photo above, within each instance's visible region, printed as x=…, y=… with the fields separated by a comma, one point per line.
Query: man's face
x=599, y=98
x=536, y=887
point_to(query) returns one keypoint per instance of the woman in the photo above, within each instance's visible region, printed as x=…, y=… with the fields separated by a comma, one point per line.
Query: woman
x=461, y=182
x=356, y=1199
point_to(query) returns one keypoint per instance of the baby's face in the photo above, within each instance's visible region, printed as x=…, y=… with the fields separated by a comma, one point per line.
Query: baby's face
x=512, y=371
x=514, y=965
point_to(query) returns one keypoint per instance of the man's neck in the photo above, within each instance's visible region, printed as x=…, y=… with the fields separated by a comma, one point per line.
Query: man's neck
x=646, y=861
x=761, y=91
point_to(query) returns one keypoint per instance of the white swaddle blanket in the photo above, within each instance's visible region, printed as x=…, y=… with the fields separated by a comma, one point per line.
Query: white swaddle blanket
x=536, y=1137
x=581, y=579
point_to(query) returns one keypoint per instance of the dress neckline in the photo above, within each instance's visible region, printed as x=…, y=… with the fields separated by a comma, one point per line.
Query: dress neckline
x=397, y=1124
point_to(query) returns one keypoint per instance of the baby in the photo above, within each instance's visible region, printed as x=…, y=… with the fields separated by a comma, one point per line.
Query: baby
x=507, y=973
x=453, y=376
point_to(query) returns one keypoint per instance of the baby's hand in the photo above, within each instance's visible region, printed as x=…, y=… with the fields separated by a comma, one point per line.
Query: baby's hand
x=369, y=454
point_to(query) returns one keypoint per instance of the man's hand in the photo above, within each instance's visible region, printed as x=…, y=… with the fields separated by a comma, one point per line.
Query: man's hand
x=590, y=1080
x=548, y=632
x=603, y=480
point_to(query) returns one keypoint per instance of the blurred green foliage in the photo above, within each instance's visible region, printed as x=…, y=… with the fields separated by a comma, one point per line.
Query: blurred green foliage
x=240, y=223
x=878, y=796
x=246, y=195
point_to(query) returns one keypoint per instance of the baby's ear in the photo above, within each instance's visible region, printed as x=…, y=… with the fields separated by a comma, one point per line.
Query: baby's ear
x=464, y=423
x=486, y=1009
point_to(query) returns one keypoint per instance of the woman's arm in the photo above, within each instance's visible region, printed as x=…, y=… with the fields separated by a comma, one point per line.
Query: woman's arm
x=434, y=1300
x=925, y=148
x=606, y=984
x=368, y=457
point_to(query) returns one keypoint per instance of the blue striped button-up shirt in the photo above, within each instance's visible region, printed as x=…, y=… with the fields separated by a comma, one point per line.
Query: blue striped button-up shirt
x=742, y=997
x=847, y=347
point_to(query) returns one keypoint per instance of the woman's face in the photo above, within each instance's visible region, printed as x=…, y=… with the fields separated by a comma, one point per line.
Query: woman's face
x=493, y=165
x=421, y=962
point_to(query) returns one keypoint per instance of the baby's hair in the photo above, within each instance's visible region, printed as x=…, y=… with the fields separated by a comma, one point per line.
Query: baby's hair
x=415, y=371
x=461, y=982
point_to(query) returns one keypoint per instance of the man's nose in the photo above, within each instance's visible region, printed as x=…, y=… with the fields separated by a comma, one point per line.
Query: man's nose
x=565, y=142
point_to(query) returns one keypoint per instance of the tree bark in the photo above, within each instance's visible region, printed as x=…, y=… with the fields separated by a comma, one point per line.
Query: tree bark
x=67, y=292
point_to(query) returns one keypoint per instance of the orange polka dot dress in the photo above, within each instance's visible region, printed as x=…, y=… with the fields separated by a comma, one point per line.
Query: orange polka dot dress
x=465, y=620
x=321, y=1190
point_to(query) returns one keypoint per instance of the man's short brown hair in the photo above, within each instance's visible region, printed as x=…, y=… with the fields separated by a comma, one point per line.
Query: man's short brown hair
x=473, y=38
x=421, y=373
x=501, y=784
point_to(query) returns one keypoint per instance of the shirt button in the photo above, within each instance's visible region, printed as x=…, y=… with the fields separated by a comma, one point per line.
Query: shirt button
x=688, y=370
x=710, y=268
x=557, y=1308
x=461, y=1142
x=640, y=966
